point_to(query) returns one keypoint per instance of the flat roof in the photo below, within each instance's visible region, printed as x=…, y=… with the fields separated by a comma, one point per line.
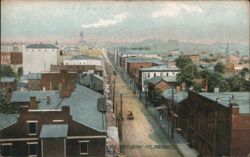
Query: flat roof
x=41, y=46
x=224, y=98
x=161, y=68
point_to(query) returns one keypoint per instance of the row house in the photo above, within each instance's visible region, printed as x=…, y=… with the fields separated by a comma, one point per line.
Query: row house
x=133, y=64
x=62, y=123
x=50, y=80
x=13, y=59
x=215, y=124
x=147, y=73
x=98, y=70
x=10, y=85
x=92, y=81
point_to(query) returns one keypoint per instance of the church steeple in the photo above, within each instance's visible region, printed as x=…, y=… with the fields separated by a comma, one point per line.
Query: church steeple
x=227, y=53
x=81, y=39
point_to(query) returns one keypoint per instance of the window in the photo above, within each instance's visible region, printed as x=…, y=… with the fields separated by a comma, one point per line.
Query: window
x=32, y=127
x=83, y=147
x=6, y=149
x=32, y=148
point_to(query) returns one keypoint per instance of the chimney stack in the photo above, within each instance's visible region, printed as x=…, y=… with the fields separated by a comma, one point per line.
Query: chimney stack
x=33, y=103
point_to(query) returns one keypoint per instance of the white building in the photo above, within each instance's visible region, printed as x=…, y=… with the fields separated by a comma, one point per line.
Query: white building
x=163, y=71
x=39, y=57
x=83, y=60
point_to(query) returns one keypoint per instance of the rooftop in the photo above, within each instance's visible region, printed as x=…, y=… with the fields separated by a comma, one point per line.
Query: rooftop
x=224, y=98
x=34, y=76
x=7, y=120
x=41, y=97
x=139, y=60
x=41, y=46
x=54, y=131
x=83, y=108
x=178, y=97
x=139, y=52
x=8, y=79
x=82, y=57
x=161, y=68
x=92, y=81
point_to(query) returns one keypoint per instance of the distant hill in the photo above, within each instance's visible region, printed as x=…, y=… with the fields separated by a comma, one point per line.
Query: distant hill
x=160, y=46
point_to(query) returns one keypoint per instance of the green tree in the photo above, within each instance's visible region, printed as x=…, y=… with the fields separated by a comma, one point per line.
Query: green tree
x=7, y=71
x=216, y=80
x=188, y=74
x=238, y=84
x=183, y=61
x=219, y=68
x=20, y=72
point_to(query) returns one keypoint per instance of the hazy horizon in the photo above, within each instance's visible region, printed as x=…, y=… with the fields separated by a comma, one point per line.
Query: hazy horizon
x=125, y=21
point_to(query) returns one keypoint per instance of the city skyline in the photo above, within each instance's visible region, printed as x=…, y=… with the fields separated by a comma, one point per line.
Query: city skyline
x=112, y=21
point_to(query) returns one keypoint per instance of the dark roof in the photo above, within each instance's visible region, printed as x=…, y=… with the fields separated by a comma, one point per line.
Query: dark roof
x=224, y=98
x=92, y=81
x=7, y=120
x=85, y=57
x=154, y=80
x=54, y=131
x=41, y=46
x=157, y=79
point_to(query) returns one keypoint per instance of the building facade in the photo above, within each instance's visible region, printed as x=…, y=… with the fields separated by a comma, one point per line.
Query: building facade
x=38, y=57
x=83, y=60
x=50, y=126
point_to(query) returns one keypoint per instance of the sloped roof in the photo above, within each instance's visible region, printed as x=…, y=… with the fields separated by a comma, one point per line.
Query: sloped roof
x=154, y=80
x=178, y=97
x=83, y=108
x=41, y=46
x=41, y=97
x=242, y=99
x=54, y=130
x=92, y=81
x=7, y=120
x=161, y=68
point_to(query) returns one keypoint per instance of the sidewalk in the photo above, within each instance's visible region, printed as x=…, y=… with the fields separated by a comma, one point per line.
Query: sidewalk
x=178, y=140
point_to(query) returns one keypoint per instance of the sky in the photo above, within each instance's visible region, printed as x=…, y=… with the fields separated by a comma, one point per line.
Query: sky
x=125, y=21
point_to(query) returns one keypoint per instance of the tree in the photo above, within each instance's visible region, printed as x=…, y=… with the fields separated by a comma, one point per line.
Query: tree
x=182, y=61
x=216, y=80
x=188, y=74
x=7, y=71
x=219, y=68
x=238, y=84
x=20, y=72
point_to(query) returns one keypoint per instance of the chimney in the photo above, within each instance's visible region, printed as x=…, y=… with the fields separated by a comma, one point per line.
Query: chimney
x=33, y=103
x=216, y=90
x=234, y=106
x=48, y=100
x=44, y=88
x=65, y=92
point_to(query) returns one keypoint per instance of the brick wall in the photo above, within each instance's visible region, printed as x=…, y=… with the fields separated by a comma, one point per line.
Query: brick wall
x=133, y=68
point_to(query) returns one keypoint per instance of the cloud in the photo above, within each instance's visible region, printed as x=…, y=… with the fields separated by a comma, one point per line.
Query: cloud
x=109, y=22
x=176, y=9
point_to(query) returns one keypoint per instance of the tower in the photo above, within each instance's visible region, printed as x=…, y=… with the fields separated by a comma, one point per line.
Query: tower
x=81, y=39
x=227, y=53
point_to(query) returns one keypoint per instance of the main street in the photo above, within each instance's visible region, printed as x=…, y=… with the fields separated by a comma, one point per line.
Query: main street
x=142, y=133
x=141, y=137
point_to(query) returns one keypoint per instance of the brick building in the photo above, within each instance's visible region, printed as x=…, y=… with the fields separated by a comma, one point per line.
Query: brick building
x=10, y=85
x=78, y=68
x=13, y=58
x=54, y=123
x=215, y=124
x=133, y=65
x=147, y=73
x=50, y=80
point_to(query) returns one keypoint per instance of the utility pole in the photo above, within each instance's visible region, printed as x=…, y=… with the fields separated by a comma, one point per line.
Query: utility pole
x=121, y=116
x=172, y=114
x=114, y=95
